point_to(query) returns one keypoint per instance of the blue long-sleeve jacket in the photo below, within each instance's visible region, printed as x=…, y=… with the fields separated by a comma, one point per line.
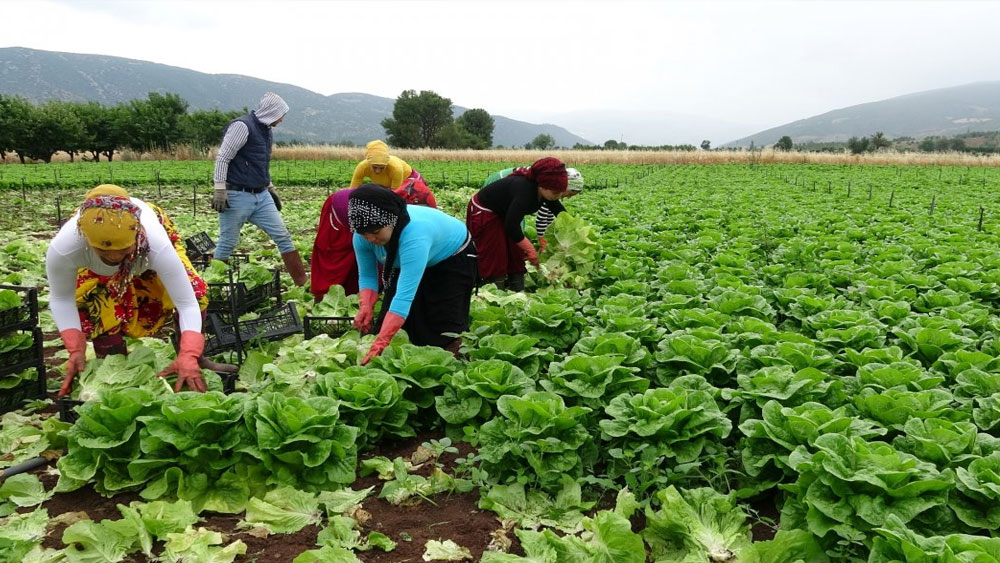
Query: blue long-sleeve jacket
x=430, y=237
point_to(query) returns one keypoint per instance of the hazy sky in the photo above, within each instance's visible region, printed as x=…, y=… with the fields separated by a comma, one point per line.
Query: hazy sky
x=754, y=62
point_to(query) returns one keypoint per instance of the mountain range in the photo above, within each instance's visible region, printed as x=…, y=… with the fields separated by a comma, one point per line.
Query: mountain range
x=40, y=76
x=941, y=112
x=356, y=117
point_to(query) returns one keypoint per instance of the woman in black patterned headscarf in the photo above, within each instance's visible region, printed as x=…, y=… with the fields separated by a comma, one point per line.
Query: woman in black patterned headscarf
x=429, y=269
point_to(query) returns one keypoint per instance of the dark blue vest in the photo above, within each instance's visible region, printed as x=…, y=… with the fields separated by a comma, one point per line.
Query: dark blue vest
x=250, y=167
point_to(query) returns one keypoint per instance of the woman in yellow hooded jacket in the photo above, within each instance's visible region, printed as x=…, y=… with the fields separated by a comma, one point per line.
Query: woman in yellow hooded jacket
x=394, y=173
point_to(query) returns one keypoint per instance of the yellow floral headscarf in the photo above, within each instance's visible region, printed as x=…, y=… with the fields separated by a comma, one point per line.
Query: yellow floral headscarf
x=108, y=219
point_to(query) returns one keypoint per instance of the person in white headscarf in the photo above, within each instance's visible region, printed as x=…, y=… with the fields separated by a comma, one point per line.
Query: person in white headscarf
x=243, y=188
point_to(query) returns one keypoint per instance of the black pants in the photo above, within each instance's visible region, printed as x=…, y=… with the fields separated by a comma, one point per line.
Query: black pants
x=441, y=304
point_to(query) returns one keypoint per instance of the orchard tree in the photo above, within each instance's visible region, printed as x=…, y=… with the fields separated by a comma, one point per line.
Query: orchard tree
x=202, y=129
x=104, y=129
x=155, y=123
x=53, y=127
x=479, y=124
x=418, y=120
x=16, y=122
x=783, y=144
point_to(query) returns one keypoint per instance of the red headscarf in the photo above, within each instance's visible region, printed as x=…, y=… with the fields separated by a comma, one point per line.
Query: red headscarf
x=548, y=173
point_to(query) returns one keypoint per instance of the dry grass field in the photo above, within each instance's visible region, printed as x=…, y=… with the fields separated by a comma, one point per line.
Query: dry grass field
x=764, y=156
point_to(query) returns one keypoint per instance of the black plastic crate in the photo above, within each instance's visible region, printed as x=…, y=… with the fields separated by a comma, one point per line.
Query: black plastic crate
x=235, y=260
x=275, y=324
x=235, y=298
x=23, y=316
x=67, y=407
x=199, y=245
x=13, y=399
x=331, y=326
x=19, y=360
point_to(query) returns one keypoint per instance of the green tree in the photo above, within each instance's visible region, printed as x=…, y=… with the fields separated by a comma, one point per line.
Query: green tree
x=478, y=123
x=706, y=145
x=202, y=129
x=542, y=142
x=858, y=146
x=418, y=119
x=611, y=145
x=452, y=136
x=783, y=144
x=879, y=141
x=927, y=145
x=104, y=128
x=53, y=127
x=154, y=123
x=16, y=123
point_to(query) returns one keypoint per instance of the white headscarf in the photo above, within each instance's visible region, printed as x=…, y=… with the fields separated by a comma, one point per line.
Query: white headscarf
x=271, y=108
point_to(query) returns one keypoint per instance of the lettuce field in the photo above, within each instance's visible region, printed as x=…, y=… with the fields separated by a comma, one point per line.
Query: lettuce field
x=713, y=364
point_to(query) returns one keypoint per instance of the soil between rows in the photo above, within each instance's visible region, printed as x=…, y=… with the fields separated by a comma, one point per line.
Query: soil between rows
x=455, y=517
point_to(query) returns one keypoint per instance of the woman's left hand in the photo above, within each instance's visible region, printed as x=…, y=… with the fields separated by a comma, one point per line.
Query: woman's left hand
x=186, y=365
x=186, y=375
x=390, y=326
x=376, y=349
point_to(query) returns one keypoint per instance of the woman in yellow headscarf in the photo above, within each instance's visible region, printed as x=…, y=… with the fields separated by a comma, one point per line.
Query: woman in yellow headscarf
x=394, y=173
x=118, y=267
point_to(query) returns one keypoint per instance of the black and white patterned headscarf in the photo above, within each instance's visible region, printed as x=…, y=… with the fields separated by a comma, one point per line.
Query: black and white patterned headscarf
x=371, y=207
x=365, y=216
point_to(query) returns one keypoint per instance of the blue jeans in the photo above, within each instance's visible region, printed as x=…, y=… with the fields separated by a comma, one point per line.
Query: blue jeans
x=258, y=209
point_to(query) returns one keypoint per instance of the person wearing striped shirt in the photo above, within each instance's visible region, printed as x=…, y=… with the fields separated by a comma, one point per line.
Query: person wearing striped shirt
x=548, y=210
x=243, y=188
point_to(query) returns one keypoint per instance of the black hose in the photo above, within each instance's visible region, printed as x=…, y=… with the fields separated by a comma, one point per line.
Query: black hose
x=33, y=463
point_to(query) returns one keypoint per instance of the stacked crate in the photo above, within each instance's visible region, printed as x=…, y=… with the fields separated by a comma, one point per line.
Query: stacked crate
x=20, y=325
x=224, y=332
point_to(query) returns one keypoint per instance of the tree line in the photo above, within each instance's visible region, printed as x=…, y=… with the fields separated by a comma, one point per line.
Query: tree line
x=982, y=142
x=160, y=122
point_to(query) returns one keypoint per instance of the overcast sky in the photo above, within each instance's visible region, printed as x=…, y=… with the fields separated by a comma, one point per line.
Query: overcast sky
x=754, y=63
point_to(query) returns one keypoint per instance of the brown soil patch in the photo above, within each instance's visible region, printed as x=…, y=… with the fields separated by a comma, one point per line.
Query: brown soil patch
x=455, y=517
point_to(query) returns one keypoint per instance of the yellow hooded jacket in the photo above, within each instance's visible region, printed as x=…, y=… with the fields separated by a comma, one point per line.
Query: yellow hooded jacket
x=392, y=176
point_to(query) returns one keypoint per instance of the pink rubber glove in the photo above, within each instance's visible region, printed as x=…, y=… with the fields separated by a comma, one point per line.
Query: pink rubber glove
x=542, y=243
x=186, y=365
x=76, y=345
x=529, y=250
x=363, y=320
x=390, y=326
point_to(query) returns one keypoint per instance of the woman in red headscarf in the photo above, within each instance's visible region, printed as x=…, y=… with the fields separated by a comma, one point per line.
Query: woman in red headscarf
x=494, y=218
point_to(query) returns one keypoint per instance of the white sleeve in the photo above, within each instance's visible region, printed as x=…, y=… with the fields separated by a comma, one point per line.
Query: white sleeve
x=60, y=269
x=236, y=136
x=163, y=260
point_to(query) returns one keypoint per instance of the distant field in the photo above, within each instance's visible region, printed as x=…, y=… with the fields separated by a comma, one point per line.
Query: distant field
x=154, y=174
